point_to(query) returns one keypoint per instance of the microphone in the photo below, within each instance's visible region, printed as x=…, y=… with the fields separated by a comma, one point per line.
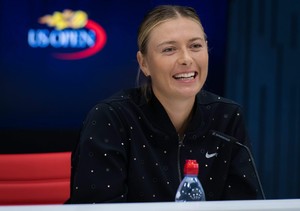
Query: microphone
x=233, y=140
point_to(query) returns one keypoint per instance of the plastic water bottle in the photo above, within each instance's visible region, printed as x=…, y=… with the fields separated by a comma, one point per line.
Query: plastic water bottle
x=190, y=188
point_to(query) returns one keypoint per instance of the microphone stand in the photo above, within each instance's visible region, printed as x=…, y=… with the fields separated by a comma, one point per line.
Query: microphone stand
x=231, y=139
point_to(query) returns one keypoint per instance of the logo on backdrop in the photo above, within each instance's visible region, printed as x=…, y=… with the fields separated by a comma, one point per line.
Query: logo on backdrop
x=72, y=30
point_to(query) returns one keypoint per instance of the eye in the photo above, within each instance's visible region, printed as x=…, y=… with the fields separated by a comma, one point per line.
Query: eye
x=168, y=49
x=196, y=46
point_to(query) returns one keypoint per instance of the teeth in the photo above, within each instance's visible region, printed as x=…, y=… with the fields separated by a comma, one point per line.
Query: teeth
x=185, y=75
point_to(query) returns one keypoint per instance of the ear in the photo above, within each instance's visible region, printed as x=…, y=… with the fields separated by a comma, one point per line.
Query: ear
x=143, y=63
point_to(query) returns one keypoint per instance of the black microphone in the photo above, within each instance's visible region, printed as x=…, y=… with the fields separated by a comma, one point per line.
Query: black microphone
x=233, y=140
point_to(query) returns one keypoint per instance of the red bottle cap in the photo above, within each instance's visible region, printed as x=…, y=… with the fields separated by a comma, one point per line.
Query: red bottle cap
x=191, y=167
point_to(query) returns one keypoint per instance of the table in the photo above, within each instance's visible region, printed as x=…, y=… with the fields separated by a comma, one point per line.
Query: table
x=250, y=205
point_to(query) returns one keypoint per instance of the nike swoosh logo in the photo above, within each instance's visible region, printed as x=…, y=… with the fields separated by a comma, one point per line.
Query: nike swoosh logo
x=207, y=155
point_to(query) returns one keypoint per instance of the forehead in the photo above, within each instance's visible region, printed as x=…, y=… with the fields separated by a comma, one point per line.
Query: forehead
x=176, y=28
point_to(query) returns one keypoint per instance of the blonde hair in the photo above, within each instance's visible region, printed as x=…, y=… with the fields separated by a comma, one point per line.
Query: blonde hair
x=152, y=19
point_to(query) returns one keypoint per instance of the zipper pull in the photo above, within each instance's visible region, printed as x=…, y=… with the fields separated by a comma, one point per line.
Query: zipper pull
x=180, y=140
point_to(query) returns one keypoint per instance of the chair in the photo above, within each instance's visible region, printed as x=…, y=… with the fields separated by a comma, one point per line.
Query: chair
x=37, y=178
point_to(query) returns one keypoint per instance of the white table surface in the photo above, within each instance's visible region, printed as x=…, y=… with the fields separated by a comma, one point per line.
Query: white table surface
x=257, y=205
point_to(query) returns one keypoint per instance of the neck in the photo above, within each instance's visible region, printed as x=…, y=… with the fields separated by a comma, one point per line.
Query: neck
x=179, y=112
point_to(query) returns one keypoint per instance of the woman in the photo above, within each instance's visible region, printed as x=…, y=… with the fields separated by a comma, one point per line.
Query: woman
x=133, y=145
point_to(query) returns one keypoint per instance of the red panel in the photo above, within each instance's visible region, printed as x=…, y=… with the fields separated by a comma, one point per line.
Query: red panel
x=35, y=166
x=42, y=178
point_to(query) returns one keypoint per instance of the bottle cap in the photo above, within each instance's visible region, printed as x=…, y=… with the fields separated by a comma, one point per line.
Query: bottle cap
x=191, y=167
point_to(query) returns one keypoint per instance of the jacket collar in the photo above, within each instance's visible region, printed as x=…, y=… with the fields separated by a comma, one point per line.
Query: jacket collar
x=158, y=116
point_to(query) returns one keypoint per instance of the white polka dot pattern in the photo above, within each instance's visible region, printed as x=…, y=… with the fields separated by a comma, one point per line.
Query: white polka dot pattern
x=130, y=151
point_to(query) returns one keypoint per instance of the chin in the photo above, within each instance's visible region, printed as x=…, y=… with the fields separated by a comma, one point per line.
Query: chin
x=189, y=93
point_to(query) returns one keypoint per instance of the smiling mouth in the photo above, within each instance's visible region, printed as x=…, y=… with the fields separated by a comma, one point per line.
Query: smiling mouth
x=184, y=76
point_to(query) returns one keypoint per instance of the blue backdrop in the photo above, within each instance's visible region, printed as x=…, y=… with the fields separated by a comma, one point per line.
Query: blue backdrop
x=45, y=99
x=263, y=75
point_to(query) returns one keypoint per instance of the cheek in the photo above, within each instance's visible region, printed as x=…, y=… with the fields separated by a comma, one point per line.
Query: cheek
x=203, y=66
x=158, y=66
x=203, y=60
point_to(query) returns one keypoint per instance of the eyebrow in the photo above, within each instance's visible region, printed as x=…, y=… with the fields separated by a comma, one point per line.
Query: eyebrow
x=173, y=42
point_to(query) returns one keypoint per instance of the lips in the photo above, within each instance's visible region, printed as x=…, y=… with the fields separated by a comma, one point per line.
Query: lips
x=185, y=76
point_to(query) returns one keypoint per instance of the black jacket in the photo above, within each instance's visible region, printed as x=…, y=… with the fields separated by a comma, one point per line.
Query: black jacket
x=129, y=151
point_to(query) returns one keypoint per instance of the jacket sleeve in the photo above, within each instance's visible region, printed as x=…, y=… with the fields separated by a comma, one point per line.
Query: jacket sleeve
x=99, y=161
x=241, y=183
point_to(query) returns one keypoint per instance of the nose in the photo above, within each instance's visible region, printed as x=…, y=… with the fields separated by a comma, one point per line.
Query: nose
x=185, y=58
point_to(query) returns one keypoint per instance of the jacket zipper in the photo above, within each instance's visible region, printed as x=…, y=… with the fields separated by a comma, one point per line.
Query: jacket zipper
x=180, y=144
